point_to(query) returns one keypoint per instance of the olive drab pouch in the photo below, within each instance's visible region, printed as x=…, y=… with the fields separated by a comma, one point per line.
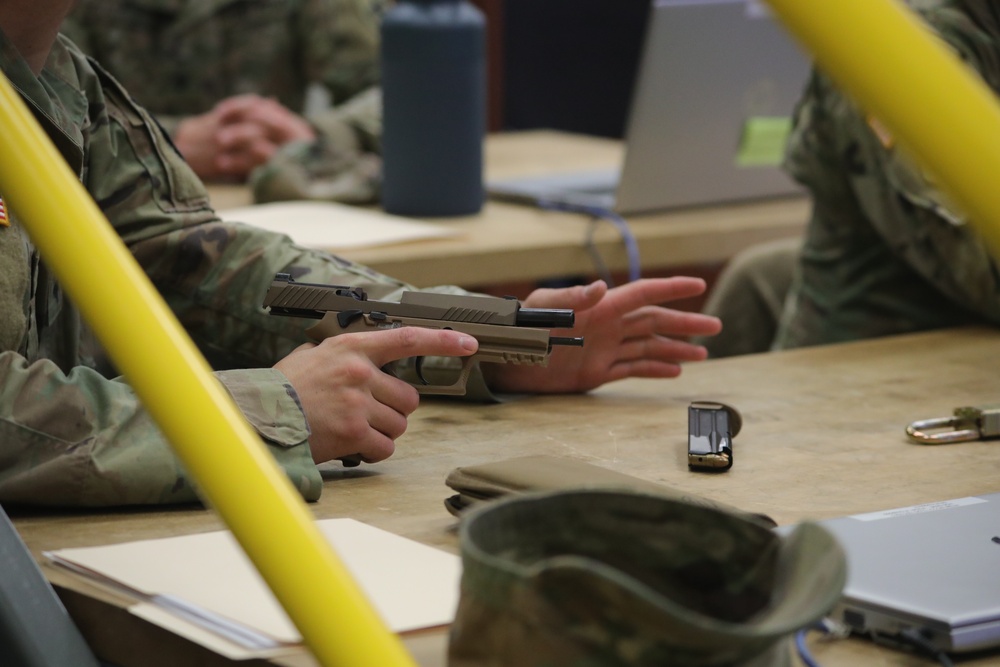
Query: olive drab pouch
x=616, y=578
x=484, y=482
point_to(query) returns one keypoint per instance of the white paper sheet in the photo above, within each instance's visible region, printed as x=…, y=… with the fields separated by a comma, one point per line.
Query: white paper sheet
x=333, y=226
x=412, y=586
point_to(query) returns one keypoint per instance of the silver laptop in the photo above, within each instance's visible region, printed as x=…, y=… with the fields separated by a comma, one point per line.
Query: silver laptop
x=932, y=569
x=717, y=83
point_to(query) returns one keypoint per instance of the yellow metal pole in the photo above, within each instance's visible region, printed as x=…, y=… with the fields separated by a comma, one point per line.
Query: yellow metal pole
x=226, y=459
x=882, y=55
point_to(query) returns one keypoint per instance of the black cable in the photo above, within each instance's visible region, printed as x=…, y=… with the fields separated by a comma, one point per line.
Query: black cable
x=917, y=641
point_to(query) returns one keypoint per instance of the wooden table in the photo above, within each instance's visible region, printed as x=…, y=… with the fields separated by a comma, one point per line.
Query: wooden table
x=822, y=437
x=512, y=242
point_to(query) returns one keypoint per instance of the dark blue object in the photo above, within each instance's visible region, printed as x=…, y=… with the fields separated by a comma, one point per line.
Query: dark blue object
x=561, y=57
x=434, y=108
x=35, y=629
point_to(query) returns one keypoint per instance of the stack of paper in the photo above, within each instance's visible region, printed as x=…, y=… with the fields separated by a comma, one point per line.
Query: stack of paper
x=331, y=226
x=204, y=587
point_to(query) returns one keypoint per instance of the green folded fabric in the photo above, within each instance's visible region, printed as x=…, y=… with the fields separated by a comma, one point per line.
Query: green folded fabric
x=497, y=479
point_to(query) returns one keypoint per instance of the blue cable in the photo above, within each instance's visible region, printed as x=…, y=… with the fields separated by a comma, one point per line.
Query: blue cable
x=803, y=650
x=628, y=238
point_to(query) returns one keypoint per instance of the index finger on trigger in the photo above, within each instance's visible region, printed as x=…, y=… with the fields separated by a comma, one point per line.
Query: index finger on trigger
x=409, y=341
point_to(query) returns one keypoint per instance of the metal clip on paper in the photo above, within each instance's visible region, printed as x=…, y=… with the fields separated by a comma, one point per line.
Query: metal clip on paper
x=967, y=424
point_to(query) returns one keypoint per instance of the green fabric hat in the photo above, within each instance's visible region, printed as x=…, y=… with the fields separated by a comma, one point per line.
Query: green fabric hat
x=601, y=577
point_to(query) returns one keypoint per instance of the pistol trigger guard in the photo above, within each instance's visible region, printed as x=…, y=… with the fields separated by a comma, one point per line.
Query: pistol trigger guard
x=456, y=389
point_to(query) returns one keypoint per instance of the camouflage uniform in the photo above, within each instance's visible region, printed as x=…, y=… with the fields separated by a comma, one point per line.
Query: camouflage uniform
x=180, y=58
x=885, y=252
x=70, y=432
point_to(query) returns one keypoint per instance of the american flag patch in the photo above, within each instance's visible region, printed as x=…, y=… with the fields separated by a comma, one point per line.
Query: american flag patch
x=3, y=214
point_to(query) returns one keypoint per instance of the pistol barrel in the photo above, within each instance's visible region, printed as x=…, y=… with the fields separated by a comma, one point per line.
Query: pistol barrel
x=565, y=340
x=545, y=318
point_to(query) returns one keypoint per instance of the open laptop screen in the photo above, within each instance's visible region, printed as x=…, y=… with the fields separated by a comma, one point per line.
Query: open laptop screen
x=717, y=83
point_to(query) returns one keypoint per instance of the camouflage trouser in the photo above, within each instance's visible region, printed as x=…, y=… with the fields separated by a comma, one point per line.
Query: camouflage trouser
x=749, y=298
x=616, y=578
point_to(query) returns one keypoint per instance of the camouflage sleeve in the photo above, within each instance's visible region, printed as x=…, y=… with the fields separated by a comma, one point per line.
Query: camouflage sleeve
x=111, y=452
x=357, y=123
x=214, y=274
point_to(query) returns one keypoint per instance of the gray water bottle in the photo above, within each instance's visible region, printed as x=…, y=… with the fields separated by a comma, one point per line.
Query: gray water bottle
x=434, y=108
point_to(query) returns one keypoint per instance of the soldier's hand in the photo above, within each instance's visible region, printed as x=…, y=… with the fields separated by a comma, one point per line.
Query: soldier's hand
x=196, y=139
x=278, y=123
x=242, y=147
x=239, y=134
x=626, y=332
x=352, y=406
